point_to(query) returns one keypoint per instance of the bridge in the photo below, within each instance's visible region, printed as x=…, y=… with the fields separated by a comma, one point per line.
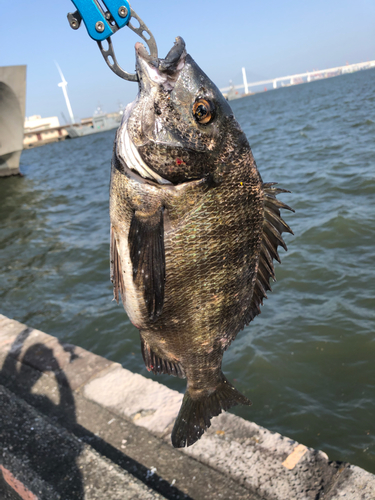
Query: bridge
x=301, y=77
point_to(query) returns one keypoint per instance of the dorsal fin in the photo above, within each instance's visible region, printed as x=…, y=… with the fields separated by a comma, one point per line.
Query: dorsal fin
x=273, y=227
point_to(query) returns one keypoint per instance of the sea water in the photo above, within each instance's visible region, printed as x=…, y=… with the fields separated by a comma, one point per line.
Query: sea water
x=308, y=361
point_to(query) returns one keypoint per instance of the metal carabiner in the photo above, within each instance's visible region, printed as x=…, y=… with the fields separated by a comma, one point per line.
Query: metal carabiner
x=102, y=24
x=109, y=53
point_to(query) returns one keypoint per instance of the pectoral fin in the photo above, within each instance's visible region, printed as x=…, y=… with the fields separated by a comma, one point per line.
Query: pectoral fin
x=146, y=246
x=116, y=272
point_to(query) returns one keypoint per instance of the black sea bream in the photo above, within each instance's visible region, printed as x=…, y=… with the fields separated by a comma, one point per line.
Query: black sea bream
x=194, y=231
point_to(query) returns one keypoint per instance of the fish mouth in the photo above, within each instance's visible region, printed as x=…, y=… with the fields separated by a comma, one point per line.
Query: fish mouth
x=163, y=72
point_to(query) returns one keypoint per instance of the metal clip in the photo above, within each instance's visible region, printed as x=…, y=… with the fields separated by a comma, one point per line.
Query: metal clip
x=101, y=24
x=109, y=53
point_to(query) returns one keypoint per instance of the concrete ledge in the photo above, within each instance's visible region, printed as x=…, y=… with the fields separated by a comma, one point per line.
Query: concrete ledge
x=50, y=463
x=128, y=419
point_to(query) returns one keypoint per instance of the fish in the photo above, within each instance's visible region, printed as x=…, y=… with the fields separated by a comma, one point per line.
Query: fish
x=194, y=231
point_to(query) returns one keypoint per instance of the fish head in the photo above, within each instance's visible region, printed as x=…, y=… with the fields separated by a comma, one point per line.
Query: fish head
x=180, y=125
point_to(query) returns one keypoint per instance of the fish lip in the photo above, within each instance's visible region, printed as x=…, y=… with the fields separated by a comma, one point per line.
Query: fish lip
x=162, y=72
x=170, y=63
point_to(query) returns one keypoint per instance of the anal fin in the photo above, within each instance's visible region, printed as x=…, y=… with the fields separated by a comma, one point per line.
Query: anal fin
x=157, y=365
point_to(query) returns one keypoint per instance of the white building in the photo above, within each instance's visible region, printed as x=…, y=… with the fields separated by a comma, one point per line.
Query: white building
x=36, y=123
x=39, y=131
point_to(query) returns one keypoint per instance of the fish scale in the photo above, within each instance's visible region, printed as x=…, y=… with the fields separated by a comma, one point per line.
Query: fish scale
x=192, y=241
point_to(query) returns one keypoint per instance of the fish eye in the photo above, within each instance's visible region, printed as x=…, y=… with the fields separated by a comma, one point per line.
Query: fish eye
x=203, y=111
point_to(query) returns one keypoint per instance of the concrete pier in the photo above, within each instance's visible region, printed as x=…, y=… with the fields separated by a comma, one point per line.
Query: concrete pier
x=74, y=425
x=12, y=115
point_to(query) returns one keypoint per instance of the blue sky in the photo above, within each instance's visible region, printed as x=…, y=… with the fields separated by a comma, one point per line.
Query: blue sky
x=269, y=37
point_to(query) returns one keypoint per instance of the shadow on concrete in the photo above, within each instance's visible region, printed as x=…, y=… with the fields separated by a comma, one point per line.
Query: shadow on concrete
x=19, y=376
x=21, y=379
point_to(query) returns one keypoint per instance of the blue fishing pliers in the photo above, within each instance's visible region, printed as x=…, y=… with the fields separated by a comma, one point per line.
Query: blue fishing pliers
x=102, y=19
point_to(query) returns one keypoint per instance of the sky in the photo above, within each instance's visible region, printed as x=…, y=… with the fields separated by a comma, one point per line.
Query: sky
x=270, y=38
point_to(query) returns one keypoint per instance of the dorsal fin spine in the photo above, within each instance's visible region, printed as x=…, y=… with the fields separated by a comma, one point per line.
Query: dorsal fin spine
x=265, y=281
x=262, y=289
x=270, y=227
x=266, y=259
x=271, y=249
x=277, y=221
x=271, y=201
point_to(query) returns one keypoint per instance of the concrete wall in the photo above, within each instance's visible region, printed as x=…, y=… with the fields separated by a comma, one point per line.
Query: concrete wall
x=12, y=115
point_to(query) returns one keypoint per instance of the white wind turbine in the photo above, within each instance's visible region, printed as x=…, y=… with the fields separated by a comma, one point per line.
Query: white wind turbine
x=63, y=85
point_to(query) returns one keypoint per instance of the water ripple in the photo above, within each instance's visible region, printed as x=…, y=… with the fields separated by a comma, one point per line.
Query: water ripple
x=307, y=362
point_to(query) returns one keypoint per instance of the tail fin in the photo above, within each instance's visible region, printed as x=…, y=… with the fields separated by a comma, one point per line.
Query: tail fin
x=195, y=414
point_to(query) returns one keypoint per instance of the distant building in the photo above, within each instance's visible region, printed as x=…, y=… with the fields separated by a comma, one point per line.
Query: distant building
x=39, y=131
x=36, y=123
